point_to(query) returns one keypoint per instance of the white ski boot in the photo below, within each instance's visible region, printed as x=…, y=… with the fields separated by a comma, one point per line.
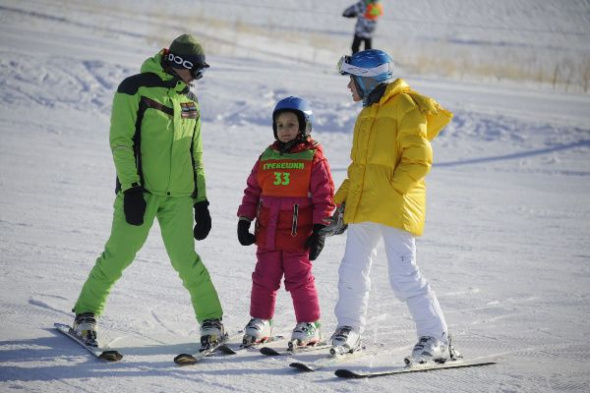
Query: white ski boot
x=305, y=333
x=345, y=340
x=85, y=328
x=257, y=331
x=430, y=349
x=212, y=333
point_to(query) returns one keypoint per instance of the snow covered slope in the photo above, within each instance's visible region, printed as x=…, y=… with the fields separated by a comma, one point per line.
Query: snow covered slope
x=506, y=243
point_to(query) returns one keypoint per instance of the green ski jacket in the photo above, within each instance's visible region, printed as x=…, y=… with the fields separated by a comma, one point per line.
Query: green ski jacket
x=155, y=134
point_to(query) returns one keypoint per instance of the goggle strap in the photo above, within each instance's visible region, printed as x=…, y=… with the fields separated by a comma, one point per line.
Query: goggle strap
x=344, y=67
x=195, y=62
x=359, y=71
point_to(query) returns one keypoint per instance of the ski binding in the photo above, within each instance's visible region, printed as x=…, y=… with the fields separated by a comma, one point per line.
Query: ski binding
x=186, y=359
x=108, y=355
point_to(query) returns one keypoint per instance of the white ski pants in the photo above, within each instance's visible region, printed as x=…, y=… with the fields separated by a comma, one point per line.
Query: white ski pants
x=404, y=277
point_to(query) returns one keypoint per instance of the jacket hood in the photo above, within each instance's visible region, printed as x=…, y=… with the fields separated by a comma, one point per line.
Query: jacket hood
x=154, y=65
x=437, y=117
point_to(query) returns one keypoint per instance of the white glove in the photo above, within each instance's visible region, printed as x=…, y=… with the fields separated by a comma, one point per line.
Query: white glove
x=336, y=225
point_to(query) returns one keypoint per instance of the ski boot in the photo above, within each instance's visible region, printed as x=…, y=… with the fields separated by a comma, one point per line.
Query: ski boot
x=345, y=340
x=429, y=349
x=305, y=334
x=85, y=328
x=212, y=333
x=257, y=331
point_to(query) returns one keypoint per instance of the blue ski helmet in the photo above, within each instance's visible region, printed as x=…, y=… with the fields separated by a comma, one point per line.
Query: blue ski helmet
x=302, y=110
x=368, y=68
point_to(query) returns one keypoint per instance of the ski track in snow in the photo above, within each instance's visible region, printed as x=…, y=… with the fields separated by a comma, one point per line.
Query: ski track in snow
x=505, y=246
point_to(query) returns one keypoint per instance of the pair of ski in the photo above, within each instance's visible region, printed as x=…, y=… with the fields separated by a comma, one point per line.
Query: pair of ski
x=225, y=347
x=332, y=360
x=182, y=359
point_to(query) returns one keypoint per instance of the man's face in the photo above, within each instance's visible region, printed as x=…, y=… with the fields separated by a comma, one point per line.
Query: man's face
x=185, y=75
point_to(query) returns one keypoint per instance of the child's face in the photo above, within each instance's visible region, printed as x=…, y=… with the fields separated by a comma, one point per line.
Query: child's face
x=355, y=94
x=287, y=126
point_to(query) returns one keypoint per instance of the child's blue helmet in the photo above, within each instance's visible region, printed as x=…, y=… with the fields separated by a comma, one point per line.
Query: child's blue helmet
x=302, y=110
x=369, y=68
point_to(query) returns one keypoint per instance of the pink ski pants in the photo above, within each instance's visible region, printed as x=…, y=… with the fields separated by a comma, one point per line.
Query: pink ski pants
x=299, y=281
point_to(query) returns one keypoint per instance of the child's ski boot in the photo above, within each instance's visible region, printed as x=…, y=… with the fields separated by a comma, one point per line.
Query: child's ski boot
x=257, y=331
x=304, y=334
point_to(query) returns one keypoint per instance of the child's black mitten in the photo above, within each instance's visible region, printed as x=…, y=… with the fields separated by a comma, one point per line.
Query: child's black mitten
x=315, y=242
x=244, y=235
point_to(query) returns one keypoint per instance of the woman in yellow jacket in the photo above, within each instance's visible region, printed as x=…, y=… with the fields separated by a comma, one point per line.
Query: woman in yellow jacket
x=384, y=196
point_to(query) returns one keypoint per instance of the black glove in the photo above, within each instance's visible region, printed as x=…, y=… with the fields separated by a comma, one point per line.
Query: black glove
x=244, y=235
x=203, y=220
x=316, y=241
x=134, y=205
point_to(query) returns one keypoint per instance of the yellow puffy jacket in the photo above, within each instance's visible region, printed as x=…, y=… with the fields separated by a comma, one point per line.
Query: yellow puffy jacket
x=391, y=155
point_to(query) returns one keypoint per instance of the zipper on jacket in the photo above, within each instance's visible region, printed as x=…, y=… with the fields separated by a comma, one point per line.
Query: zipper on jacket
x=257, y=223
x=174, y=126
x=295, y=216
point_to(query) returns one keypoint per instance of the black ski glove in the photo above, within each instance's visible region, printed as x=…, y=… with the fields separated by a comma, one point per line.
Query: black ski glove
x=203, y=220
x=134, y=205
x=244, y=235
x=316, y=241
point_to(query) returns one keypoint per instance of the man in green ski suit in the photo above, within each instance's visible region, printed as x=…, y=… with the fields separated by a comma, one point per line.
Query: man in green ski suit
x=155, y=138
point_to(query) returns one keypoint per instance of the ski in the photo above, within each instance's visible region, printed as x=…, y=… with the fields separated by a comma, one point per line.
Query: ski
x=269, y=351
x=346, y=373
x=330, y=360
x=228, y=349
x=186, y=359
x=108, y=356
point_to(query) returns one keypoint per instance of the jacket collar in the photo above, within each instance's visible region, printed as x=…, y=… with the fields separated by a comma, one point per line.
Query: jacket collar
x=394, y=88
x=155, y=65
x=296, y=147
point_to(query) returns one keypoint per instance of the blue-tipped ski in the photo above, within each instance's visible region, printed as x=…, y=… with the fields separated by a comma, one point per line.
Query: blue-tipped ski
x=187, y=359
x=346, y=373
x=108, y=356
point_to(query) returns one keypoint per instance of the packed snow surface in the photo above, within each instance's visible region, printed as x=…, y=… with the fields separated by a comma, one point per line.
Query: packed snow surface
x=506, y=241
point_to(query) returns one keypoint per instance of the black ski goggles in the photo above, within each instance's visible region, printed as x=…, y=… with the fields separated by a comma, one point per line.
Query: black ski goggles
x=196, y=64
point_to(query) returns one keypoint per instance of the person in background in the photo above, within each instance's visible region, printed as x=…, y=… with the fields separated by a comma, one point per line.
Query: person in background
x=290, y=193
x=155, y=139
x=367, y=12
x=384, y=197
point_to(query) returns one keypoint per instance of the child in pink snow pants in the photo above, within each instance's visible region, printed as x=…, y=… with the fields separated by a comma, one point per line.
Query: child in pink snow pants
x=290, y=192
